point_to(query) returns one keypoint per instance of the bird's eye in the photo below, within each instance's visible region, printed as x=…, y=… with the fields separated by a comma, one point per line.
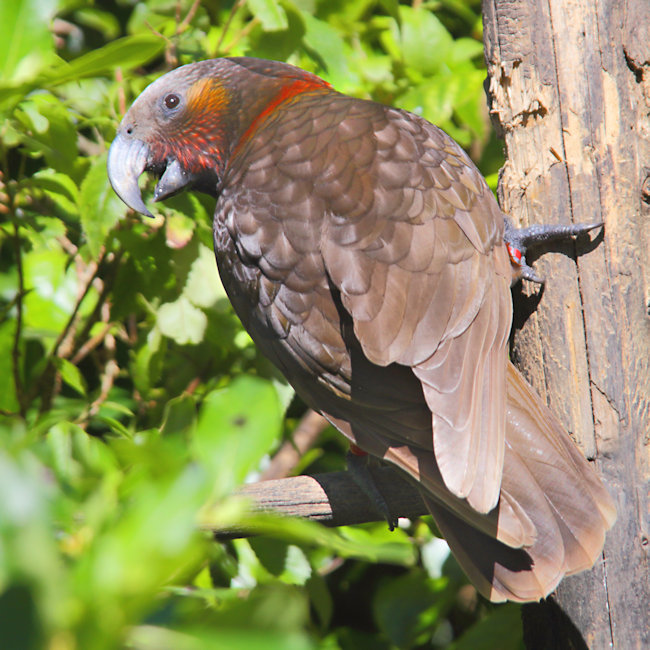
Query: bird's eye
x=172, y=101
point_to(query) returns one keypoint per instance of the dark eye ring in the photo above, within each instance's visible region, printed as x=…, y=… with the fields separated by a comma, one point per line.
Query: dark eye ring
x=172, y=101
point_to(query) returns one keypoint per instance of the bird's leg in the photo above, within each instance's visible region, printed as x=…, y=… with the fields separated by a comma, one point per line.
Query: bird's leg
x=518, y=240
x=357, y=462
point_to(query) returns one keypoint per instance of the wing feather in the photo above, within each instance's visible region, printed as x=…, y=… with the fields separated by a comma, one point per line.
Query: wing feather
x=442, y=303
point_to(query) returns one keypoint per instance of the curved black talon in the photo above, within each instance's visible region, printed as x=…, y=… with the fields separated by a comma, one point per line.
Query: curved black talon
x=362, y=476
x=518, y=240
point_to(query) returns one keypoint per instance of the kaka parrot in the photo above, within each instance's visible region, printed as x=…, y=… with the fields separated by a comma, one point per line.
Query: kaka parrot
x=367, y=258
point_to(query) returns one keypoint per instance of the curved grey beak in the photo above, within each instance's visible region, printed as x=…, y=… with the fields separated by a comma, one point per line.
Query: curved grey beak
x=172, y=181
x=127, y=160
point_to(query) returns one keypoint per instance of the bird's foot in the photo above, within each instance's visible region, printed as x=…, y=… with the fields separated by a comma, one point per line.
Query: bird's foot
x=518, y=240
x=360, y=471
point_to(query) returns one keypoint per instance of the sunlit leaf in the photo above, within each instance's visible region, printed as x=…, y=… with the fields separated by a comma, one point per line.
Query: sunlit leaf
x=236, y=427
x=157, y=638
x=424, y=40
x=126, y=53
x=203, y=287
x=179, y=230
x=270, y=13
x=25, y=38
x=328, y=45
x=99, y=206
x=57, y=183
x=71, y=375
x=182, y=321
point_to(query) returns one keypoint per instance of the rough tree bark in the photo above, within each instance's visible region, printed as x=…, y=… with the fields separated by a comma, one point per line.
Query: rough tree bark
x=569, y=90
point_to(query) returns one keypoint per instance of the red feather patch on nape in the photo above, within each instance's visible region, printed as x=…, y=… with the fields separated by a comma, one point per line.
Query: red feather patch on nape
x=296, y=87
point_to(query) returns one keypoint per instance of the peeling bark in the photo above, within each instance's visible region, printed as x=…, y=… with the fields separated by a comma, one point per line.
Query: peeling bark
x=569, y=90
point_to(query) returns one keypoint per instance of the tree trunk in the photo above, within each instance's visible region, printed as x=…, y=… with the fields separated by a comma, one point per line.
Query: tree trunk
x=569, y=90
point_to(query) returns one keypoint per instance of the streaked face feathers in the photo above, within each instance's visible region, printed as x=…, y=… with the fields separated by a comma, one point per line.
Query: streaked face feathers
x=197, y=135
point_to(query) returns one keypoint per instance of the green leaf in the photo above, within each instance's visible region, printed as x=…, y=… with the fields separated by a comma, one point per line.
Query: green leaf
x=424, y=40
x=278, y=45
x=328, y=46
x=272, y=553
x=270, y=13
x=52, y=132
x=70, y=374
x=57, y=183
x=102, y=21
x=406, y=606
x=78, y=459
x=320, y=598
x=8, y=398
x=147, y=363
x=203, y=287
x=52, y=292
x=114, y=425
x=25, y=38
x=464, y=49
x=180, y=415
x=501, y=628
x=392, y=9
x=236, y=427
x=126, y=53
x=182, y=321
x=150, y=637
x=99, y=206
x=363, y=545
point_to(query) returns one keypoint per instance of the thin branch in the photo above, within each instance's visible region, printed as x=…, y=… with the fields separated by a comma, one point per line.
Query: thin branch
x=170, y=49
x=290, y=453
x=235, y=8
x=92, y=274
x=48, y=385
x=111, y=369
x=184, y=24
x=333, y=499
x=245, y=31
x=114, y=260
x=91, y=344
x=121, y=95
x=45, y=384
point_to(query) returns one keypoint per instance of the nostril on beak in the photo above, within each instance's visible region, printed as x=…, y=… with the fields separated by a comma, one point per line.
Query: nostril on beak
x=129, y=129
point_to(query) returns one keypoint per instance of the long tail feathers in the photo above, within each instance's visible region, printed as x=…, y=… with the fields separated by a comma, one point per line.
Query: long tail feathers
x=552, y=514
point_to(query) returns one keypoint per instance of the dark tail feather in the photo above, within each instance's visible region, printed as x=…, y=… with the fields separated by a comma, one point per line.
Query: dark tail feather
x=547, y=478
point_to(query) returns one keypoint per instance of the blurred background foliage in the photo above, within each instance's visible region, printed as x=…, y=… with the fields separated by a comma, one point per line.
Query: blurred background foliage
x=132, y=403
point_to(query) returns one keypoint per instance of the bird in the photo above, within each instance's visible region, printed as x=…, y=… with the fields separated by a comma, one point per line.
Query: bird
x=367, y=258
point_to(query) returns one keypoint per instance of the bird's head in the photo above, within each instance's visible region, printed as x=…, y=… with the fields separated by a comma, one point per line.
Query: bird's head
x=185, y=125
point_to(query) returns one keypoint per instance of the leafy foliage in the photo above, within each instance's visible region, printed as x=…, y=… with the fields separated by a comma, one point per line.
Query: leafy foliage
x=132, y=401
